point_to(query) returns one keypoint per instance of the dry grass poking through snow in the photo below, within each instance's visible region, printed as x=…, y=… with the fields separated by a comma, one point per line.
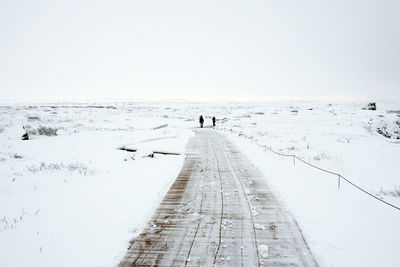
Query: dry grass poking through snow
x=76, y=166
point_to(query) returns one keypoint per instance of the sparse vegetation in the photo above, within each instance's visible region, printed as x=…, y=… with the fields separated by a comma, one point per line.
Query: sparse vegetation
x=42, y=130
x=384, y=131
x=76, y=166
x=9, y=223
x=47, y=131
x=33, y=118
x=17, y=156
x=160, y=127
x=321, y=156
x=391, y=193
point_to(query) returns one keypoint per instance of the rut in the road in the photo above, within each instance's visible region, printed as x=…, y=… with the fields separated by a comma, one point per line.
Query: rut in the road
x=219, y=212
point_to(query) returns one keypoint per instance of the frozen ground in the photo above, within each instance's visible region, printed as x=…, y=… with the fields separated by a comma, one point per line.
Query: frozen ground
x=76, y=200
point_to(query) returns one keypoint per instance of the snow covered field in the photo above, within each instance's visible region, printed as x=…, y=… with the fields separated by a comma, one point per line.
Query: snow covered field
x=75, y=199
x=343, y=227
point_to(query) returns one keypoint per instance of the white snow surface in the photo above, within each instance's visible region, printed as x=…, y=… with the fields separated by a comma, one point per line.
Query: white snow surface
x=263, y=251
x=342, y=227
x=76, y=200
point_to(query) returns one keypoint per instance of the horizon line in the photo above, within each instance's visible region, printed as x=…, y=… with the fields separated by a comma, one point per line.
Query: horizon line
x=166, y=100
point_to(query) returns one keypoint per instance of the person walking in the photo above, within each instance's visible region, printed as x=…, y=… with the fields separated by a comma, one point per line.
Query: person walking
x=201, y=120
x=213, y=120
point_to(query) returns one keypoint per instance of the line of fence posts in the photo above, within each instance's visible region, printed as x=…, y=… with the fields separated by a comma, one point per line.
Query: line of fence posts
x=339, y=176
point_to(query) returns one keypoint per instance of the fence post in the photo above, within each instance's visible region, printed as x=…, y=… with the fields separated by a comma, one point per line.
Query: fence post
x=294, y=160
x=339, y=182
x=265, y=148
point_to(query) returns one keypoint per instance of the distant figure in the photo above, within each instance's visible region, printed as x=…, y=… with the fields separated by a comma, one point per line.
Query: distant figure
x=213, y=119
x=201, y=120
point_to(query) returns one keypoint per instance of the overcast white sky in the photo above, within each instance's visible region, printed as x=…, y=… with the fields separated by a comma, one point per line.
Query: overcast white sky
x=208, y=49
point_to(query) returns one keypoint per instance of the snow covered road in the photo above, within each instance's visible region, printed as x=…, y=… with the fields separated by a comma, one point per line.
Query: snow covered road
x=219, y=212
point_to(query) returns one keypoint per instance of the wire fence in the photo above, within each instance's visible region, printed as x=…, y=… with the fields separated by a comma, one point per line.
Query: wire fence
x=294, y=157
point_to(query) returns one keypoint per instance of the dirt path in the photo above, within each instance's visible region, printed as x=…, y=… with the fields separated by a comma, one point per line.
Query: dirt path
x=219, y=213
